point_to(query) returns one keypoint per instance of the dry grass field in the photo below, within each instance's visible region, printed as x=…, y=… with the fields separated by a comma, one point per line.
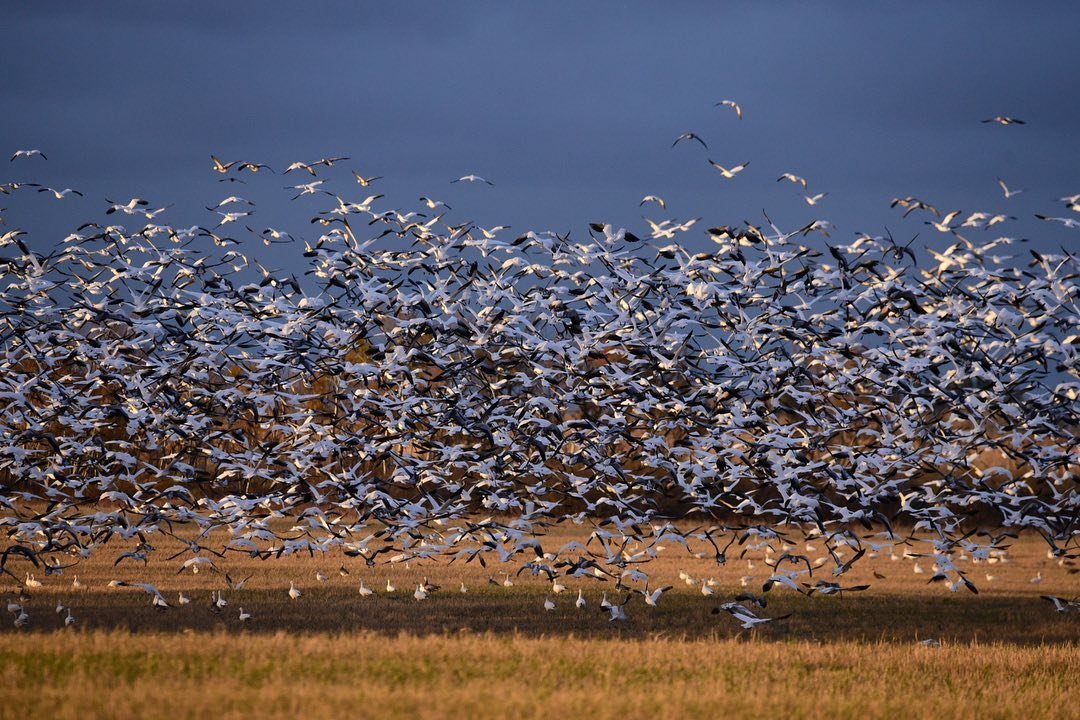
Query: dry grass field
x=494, y=651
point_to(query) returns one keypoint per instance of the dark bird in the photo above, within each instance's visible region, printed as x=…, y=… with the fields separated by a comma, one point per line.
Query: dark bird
x=689, y=136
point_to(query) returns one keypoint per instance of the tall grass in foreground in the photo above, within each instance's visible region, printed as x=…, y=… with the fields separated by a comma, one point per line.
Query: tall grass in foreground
x=199, y=675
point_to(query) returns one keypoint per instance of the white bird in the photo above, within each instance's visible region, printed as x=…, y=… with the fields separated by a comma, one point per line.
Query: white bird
x=60, y=194
x=70, y=619
x=732, y=172
x=22, y=619
x=229, y=201
x=731, y=104
x=27, y=154
x=59, y=607
x=182, y=599
x=748, y=619
x=365, y=181
x=390, y=586
x=705, y=589
x=943, y=225
x=472, y=178
x=1037, y=578
x=244, y=617
x=420, y=593
x=557, y=587
x=365, y=590
x=321, y=576
x=1072, y=223
x=580, y=602
x=294, y=592
x=1060, y=604
x=549, y=604
x=814, y=199
x=226, y=217
x=491, y=233
x=1005, y=189
x=31, y=581
x=651, y=598
x=308, y=188
x=130, y=207
x=617, y=612
x=194, y=563
x=653, y=198
x=236, y=585
x=75, y=583
x=221, y=167
x=433, y=204
x=219, y=600
x=792, y=177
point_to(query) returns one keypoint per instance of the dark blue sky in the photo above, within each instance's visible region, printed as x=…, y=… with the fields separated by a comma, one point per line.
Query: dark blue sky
x=570, y=108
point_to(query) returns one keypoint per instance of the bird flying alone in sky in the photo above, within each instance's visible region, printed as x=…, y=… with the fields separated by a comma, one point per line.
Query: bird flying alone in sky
x=733, y=105
x=689, y=136
x=472, y=178
x=27, y=154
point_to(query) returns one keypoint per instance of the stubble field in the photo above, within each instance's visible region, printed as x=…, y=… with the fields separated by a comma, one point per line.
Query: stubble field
x=901, y=647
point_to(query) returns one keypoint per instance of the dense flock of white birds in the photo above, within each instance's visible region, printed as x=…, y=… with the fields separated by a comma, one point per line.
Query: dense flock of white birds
x=428, y=390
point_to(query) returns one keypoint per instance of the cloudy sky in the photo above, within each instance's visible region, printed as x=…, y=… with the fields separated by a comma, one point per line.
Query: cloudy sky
x=569, y=108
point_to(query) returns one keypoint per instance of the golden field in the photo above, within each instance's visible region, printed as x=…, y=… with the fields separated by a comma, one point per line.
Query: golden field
x=494, y=651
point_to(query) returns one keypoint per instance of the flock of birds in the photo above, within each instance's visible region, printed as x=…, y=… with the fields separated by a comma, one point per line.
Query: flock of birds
x=430, y=389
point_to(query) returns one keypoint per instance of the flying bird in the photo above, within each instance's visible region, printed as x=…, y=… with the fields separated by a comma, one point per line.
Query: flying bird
x=731, y=104
x=365, y=181
x=253, y=167
x=1002, y=120
x=27, y=154
x=60, y=194
x=792, y=177
x=1072, y=223
x=472, y=179
x=1005, y=189
x=689, y=136
x=219, y=166
x=732, y=172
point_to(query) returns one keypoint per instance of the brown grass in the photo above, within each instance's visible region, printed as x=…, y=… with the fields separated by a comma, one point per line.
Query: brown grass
x=301, y=675
x=494, y=651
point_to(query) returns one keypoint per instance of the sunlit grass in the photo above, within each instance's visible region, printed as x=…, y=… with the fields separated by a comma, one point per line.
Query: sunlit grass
x=495, y=652
x=121, y=674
